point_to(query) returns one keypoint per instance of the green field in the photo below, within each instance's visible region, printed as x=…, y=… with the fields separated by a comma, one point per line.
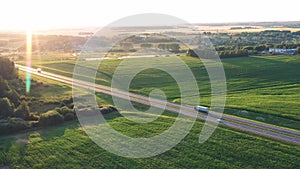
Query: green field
x=42, y=96
x=67, y=146
x=260, y=88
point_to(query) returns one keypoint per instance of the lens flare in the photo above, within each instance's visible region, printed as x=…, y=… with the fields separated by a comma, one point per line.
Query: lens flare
x=28, y=59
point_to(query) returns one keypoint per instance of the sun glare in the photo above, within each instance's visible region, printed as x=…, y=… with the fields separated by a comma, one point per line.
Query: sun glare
x=28, y=59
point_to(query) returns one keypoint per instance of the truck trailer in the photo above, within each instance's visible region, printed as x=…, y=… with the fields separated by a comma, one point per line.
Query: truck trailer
x=201, y=109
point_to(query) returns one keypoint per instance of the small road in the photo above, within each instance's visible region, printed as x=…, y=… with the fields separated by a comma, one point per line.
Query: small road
x=263, y=129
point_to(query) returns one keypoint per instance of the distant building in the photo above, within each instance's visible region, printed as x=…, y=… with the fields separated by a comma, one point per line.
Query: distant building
x=283, y=51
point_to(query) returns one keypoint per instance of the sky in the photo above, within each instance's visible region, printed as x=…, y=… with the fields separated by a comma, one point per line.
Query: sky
x=52, y=14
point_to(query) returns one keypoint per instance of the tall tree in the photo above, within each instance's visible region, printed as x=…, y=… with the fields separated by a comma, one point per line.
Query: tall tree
x=14, y=97
x=4, y=88
x=6, y=108
x=7, y=69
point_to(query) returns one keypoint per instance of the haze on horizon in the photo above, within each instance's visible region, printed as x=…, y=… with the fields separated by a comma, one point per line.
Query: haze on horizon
x=53, y=14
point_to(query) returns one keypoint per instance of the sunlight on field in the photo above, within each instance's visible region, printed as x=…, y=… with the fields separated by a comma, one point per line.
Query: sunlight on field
x=28, y=59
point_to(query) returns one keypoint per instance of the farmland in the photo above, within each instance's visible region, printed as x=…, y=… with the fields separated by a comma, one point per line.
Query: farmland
x=263, y=88
x=257, y=86
x=67, y=146
x=262, y=78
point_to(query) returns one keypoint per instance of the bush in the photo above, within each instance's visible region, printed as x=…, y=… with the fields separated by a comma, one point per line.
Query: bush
x=68, y=102
x=4, y=88
x=14, y=97
x=104, y=111
x=23, y=110
x=6, y=108
x=67, y=113
x=34, y=123
x=113, y=109
x=71, y=106
x=33, y=117
x=13, y=125
x=69, y=117
x=17, y=124
x=50, y=118
x=65, y=110
x=3, y=127
x=109, y=109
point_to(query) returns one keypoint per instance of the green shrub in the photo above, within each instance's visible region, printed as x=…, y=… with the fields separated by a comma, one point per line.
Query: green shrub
x=50, y=118
x=34, y=123
x=23, y=111
x=4, y=160
x=68, y=102
x=6, y=107
x=109, y=109
x=3, y=127
x=113, y=109
x=14, y=97
x=33, y=117
x=17, y=124
x=69, y=117
x=12, y=125
x=65, y=110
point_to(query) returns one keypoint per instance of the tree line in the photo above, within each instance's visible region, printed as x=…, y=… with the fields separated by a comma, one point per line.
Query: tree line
x=15, y=113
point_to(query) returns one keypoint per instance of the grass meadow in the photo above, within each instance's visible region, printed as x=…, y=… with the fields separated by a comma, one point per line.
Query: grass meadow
x=67, y=145
x=263, y=88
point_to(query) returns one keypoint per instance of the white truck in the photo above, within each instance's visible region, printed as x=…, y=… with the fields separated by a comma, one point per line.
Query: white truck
x=201, y=109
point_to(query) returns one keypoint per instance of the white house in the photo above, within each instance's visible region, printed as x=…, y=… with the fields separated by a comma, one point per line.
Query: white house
x=283, y=51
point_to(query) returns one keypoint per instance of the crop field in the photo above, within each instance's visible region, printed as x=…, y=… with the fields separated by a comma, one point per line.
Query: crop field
x=67, y=146
x=260, y=88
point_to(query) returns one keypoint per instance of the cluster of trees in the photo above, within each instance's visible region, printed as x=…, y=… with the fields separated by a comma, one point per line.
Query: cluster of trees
x=150, y=38
x=15, y=113
x=57, y=43
x=126, y=45
x=233, y=53
x=174, y=47
x=222, y=54
x=14, y=109
x=146, y=45
x=11, y=106
x=198, y=53
x=10, y=102
x=57, y=116
x=129, y=47
x=7, y=69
